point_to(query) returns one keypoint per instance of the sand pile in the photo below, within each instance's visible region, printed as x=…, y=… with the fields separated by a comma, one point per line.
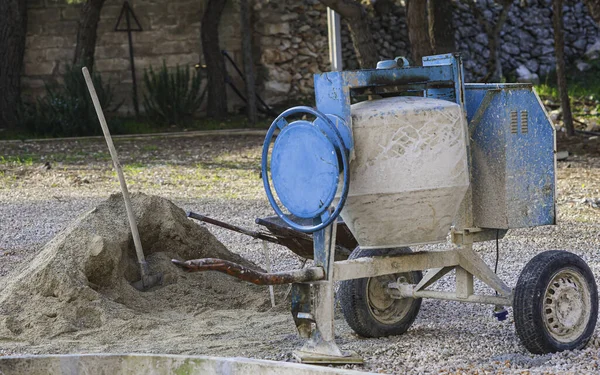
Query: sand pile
x=81, y=279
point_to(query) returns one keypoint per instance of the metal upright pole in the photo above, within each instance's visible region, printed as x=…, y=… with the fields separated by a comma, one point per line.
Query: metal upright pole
x=321, y=346
x=127, y=11
x=131, y=61
x=335, y=39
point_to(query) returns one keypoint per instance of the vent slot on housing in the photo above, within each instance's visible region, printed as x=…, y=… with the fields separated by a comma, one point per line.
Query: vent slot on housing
x=514, y=122
x=524, y=122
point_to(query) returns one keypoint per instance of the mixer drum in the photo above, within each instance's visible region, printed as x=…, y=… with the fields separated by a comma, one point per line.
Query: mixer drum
x=409, y=173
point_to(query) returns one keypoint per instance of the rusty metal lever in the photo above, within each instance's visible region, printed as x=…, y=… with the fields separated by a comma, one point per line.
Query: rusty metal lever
x=250, y=275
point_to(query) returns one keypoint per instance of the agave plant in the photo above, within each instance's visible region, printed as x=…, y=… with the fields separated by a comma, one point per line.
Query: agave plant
x=67, y=109
x=171, y=97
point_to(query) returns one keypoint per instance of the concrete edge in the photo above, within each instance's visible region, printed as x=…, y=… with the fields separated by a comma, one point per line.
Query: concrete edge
x=156, y=364
x=195, y=133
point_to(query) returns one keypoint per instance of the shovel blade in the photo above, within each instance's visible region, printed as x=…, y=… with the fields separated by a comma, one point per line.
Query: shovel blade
x=148, y=282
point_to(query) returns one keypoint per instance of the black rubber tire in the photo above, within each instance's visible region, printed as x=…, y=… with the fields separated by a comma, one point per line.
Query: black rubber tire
x=529, y=297
x=355, y=306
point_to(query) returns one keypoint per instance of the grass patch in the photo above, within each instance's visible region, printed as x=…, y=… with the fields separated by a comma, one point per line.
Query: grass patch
x=231, y=122
x=584, y=87
x=134, y=168
x=137, y=127
x=220, y=164
x=584, y=219
x=101, y=156
x=21, y=160
x=76, y=157
x=149, y=148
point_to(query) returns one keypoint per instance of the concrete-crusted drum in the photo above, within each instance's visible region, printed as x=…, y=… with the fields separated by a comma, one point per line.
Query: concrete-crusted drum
x=410, y=171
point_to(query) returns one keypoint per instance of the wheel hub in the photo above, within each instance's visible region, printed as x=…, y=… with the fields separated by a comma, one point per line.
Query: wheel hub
x=383, y=307
x=566, y=306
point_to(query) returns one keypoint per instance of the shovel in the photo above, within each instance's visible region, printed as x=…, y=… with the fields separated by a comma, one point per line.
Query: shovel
x=147, y=281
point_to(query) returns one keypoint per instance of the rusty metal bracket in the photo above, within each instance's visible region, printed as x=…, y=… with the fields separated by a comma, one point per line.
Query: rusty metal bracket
x=248, y=274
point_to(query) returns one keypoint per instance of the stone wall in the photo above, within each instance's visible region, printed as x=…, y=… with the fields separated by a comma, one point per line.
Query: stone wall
x=389, y=33
x=290, y=40
x=292, y=36
x=171, y=33
x=526, y=39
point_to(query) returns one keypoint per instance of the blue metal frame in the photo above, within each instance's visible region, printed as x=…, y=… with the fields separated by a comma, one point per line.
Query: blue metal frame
x=441, y=77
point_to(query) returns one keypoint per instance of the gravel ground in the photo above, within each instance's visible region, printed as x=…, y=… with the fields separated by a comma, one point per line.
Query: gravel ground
x=218, y=176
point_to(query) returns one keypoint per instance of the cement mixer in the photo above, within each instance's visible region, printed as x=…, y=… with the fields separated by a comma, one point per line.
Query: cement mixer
x=409, y=156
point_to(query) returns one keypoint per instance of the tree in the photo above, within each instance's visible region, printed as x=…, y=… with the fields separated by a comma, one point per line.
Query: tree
x=355, y=16
x=13, y=28
x=215, y=64
x=441, y=29
x=418, y=30
x=87, y=33
x=594, y=9
x=494, y=66
x=248, y=61
x=561, y=77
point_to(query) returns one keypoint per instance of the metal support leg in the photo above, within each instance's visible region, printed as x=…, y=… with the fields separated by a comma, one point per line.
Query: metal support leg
x=321, y=346
x=432, y=276
x=324, y=298
x=473, y=264
x=464, y=283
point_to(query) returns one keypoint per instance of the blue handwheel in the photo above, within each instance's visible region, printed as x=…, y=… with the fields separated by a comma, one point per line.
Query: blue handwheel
x=305, y=168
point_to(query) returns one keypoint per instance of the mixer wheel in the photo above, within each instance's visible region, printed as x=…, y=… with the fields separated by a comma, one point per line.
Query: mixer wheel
x=368, y=309
x=555, y=303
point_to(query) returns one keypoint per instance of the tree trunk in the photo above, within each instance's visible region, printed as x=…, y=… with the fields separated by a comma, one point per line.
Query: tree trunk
x=494, y=65
x=355, y=16
x=215, y=64
x=561, y=77
x=86, y=33
x=13, y=28
x=441, y=29
x=248, y=61
x=418, y=30
x=594, y=9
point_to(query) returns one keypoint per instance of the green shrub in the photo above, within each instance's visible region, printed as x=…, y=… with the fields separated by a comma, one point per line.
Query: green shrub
x=171, y=97
x=67, y=109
